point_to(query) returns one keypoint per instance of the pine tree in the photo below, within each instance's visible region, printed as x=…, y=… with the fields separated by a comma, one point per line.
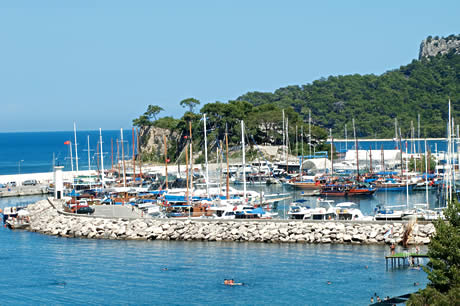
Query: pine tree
x=443, y=269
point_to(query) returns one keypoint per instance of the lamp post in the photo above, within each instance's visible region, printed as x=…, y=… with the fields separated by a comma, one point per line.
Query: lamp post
x=19, y=165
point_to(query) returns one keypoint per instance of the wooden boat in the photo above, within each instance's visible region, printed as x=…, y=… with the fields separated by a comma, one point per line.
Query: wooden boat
x=333, y=190
x=361, y=190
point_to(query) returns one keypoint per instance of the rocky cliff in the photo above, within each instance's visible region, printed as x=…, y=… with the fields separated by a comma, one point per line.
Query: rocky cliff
x=434, y=46
x=151, y=141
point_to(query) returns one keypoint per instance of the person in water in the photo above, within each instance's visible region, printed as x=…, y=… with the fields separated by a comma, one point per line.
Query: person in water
x=229, y=282
x=372, y=299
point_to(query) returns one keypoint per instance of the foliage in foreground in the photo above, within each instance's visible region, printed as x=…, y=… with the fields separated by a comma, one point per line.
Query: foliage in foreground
x=443, y=269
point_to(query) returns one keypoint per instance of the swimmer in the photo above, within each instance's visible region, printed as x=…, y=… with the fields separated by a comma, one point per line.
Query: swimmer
x=164, y=269
x=366, y=267
x=416, y=284
x=329, y=282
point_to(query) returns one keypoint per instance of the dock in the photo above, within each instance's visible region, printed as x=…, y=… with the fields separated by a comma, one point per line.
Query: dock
x=403, y=259
x=23, y=191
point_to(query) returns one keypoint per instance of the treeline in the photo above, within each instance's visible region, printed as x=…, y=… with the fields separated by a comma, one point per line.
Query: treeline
x=263, y=126
x=422, y=87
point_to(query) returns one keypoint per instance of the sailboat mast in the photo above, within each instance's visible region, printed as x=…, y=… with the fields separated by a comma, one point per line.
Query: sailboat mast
x=139, y=154
x=191, y=159
x=111, y=151
x=332, y=154
x=71, y=158
x=228, y=168
x=284, y=135
x=356, y=147
x=301, y=144
x=370, y=160
x=287, y=144
x=76, y=151
x=186, y=173
x=123, y=157
x=346, y=138
x=102, y=159
x=206, y=154
x=426, y=175
x=309, y=130
x=383, y=158
x=407, y=179
x=166, y=161
x=244, y=160
x=134, y=159
x=89, y=158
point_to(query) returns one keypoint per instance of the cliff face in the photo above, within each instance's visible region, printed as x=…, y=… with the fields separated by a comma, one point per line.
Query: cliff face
x=434, y=46
x=151, y=141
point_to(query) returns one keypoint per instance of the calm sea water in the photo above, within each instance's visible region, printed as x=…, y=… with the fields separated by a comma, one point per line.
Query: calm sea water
x=40, y=269
x=33, y=151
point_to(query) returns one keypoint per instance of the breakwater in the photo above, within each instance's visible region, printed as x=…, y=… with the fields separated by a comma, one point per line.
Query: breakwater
x=47, y=218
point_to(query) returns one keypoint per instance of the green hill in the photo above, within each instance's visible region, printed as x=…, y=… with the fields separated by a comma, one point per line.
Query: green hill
x=422, y=87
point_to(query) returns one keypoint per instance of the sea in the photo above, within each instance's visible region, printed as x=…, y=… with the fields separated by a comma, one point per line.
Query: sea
x=41, y=269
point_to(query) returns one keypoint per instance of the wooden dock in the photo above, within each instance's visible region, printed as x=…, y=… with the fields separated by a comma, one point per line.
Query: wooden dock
x=403, y=259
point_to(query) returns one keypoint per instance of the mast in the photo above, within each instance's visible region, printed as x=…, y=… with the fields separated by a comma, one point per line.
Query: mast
x=206, y=154
x=228, y=168
x=449, y=136
x=418, y=132
x=287, y=144
x=186, y=171
x=134, y=159
x=296, y=141
x=407, y=179
x=301, y=144
x=356, y=146
x=383, y=158
x=332, y=153
x=309, y=130
x=166, y=161
x=102, y=158
x=244, y=160
x=71, y=158
x=346, y=139
x=139, y=152
x=123, y=157
x=284, y=135
x=118, y=158
x=89, y=158
x=400, y=150
x=111, y=150
x=191, y=159
x=76, y=151
x=396, y=132
x=426, y=175
x=370, y=159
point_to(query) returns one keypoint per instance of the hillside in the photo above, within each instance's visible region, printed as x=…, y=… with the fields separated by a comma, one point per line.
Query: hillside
x=421, y=87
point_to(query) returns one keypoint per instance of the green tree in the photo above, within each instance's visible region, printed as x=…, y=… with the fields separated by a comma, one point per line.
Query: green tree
x=191, y=103
x=143, y=120
x=153, y=111
x=443, y=269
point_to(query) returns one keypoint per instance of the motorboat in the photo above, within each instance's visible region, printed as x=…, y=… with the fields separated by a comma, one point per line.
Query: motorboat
x=348, y=211
x=386, y=213
x=299, y=210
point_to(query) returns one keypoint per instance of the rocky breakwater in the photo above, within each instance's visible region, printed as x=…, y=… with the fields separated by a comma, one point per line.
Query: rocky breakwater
x=48, y=220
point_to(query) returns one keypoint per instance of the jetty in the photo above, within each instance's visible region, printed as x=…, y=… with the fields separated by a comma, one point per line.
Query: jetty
x=403, y=259
x=48, y=217
x=23, y=191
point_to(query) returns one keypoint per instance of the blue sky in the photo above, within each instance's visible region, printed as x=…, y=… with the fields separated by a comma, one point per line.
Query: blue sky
x=100, y=63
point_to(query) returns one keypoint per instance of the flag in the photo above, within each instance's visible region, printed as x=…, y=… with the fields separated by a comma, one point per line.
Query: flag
x=67, y=142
